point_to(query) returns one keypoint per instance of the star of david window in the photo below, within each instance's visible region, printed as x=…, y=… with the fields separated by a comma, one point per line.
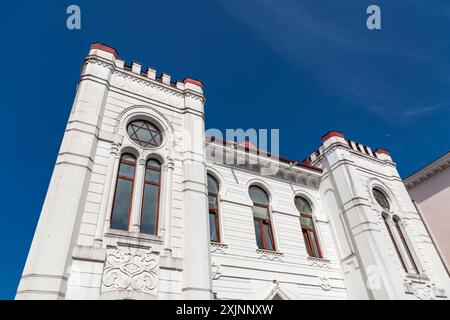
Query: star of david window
x=144, y=133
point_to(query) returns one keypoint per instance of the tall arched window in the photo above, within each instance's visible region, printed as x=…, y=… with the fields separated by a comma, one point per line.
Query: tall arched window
x=405, y=244
x=391, y=235
x=308, y=229
x=261, y=218
x=213, y=190
x=120, y=215
x=150, y=199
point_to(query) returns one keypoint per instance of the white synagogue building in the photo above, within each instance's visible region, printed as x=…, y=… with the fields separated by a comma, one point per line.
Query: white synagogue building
x=143, y=205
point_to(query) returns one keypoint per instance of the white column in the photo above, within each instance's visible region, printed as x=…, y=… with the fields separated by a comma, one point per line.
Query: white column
x=137, y=196
x=103, y=213
x=168, y=171
x=111, y=190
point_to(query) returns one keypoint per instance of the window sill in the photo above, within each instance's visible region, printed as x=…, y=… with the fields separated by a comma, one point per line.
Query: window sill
x=218, y=247
x=319, y=262
x=133, y=239
x=419, y=277
x=269, y=254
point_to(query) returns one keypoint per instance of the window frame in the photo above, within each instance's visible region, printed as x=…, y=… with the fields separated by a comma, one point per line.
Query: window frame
x=313, y=229
x=394, y=241
x=137, y=141
x=133, y=182
x=261, y=221
x=214, y=211
x=406, y=245
x=158, y=184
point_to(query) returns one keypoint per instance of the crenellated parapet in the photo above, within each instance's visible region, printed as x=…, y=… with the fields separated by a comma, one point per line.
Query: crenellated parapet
x=337, y=139
x=104, y=62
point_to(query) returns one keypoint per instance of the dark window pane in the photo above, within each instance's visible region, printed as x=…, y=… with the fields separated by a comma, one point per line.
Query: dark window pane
x=315, y=245
x=128, y=158
x=213, y=227
x=122, y=202
x=152, y=175
x=260, y=212
x=152, y=163
x=381, y=199
x=149, y=209
x=306, y=222
x=126, y=170
x=258, y=195
x=212, y=202
x=267, y=237
x=302, y=205
x=259, y=240
x=307, y=245
x=213, y=185
x=144, y=133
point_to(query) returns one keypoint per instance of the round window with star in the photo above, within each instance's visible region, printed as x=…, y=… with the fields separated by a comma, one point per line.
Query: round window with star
x=144, y=133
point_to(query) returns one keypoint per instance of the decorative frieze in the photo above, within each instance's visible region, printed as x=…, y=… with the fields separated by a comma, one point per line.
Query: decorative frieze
x=131, y=269
x=269, y=255
x=218, y=247
x=319, y=262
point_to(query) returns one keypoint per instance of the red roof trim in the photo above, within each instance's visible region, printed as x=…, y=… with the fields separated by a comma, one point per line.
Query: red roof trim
x=104, y=47
x=193, y=81
x=384, y=151
x=259, y=151
x=331, y=134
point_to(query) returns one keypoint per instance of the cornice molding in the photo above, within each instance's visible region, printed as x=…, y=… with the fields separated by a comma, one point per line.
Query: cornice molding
x=430, y=170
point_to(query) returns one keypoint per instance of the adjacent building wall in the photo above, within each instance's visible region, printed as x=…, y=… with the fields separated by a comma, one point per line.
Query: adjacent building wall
x=430, y=190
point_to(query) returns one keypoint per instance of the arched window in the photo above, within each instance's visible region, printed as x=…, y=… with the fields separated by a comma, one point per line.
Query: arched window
x=381, y=199
x=405, y=244
x=144, y=133
x=308, y=229
x=150, y=199
x=120, y=215
x=261, y=218
x=213, y=190
x=394, y=242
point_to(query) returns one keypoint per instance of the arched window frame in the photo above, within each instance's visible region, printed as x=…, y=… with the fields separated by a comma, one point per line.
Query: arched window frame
x=215, y=210
x=385, y=217
x=124, y=177
x=414, y=265
x=264, y=221
x=306, y=230
x=151, y=183
x=397, y=234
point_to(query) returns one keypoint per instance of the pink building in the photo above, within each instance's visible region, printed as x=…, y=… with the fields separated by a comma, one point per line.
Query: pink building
x=430, y=191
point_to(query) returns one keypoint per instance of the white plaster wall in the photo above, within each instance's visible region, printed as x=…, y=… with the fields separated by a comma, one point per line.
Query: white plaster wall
x=244, y=273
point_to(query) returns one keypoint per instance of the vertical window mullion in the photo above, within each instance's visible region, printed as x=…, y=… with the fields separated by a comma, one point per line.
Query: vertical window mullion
x=394, y=242
x=406, y=246
x=127, y=160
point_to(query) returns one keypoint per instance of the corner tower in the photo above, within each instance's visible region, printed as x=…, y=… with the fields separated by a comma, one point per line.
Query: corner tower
x=383, y=245
x=124, y=212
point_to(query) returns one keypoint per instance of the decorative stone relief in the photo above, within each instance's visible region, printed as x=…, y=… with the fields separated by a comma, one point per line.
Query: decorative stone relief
x=218, y=247
x=324, y=282
x=130, y=269
x=422, y=290
x=216, y=272
x=319, y=262
x=269, y=255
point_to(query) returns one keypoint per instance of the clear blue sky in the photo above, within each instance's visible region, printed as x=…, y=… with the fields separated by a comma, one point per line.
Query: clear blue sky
x=305, y=67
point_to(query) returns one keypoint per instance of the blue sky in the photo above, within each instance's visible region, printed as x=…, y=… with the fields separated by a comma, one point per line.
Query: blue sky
x=305, y=67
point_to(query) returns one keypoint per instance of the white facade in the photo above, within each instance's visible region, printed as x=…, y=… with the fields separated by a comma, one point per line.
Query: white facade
x=76, y=254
